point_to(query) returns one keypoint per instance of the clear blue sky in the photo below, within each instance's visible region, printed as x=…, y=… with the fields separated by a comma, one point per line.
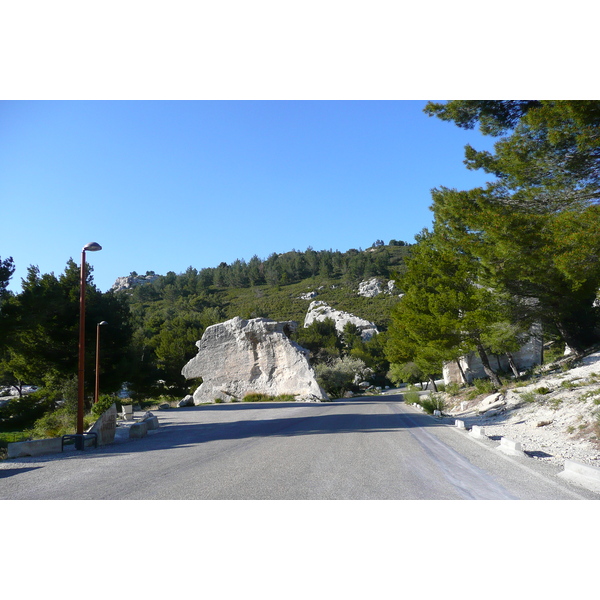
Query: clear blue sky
x=163, y=185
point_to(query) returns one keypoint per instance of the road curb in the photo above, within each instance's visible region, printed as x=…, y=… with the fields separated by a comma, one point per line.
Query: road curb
x=581, y=474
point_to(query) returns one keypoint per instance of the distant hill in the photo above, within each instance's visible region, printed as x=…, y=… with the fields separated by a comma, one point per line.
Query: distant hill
x=280, y=287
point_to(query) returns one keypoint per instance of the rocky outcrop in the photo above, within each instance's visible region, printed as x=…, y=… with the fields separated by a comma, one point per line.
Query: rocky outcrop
x=131, y=281
x=374, y=286
x=319, y=311
x=242, y=356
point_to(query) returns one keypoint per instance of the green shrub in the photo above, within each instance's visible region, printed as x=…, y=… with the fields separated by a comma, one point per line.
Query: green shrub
x=256, y=397
x=103, y=404
x=529, y=397
x=432, y=402
x=57, y=423
x=484, y=386
x=453, y=388
x=339, y=376
x=411, y=397
x=543, y=390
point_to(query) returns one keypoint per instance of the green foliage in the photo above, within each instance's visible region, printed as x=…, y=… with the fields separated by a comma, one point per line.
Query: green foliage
x=535, y=228
x=411, y=397
x=453, y=388
x=54, y=424
x=405, y=373
x=255, y=397
x=529, y=397
x=103, y=404
x=485, y=386
x=22, y=412
x=543, y=390
x=432, y=402
x=339, y=376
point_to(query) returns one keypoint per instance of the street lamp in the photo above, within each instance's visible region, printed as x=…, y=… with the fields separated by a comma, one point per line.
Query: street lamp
x=91, y=247
x=97, y=392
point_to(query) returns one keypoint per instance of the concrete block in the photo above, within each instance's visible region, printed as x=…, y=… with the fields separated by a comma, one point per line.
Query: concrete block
x=138, y=430
x=152, y=422
x=581, y=474
x=478, y=432
x=510, y=447
x=437, y=413
x=459, y=424
x=34, y=448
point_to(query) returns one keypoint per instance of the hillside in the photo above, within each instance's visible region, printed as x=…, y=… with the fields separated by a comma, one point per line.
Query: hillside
x=170, y=312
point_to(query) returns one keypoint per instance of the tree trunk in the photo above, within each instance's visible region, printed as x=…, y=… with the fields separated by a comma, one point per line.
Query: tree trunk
x=511, y=362
x=433, y=383
x=462, y=373
x=486, y=366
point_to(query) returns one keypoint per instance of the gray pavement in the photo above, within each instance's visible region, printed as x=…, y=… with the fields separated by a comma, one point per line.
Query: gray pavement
x=362, y=448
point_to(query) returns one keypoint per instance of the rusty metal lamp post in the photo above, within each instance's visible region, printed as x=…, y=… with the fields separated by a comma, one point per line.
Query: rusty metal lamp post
x=79, y=441
x=97, y=389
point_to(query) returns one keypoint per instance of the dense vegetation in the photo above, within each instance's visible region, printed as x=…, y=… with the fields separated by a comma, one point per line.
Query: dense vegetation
x=523, y=249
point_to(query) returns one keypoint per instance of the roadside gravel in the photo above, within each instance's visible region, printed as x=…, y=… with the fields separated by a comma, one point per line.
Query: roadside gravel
x=555, y=418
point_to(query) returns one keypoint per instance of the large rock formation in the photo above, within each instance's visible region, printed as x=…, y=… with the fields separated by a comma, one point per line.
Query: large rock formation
x=131, y=281
x=319, y=311
x=241, y=356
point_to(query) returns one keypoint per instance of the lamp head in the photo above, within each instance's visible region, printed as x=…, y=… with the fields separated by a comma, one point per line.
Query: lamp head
x=92, y=247
x=103, y=323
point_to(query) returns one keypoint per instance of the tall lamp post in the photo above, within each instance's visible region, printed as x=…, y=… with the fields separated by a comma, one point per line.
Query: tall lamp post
x=97, y=390
x=91, y=247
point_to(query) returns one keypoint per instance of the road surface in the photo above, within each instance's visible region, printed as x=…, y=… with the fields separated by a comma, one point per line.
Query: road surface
x=361, y=448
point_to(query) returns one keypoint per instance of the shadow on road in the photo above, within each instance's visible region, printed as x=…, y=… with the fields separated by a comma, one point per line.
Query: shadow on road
x=10, y=472
x=177, y=435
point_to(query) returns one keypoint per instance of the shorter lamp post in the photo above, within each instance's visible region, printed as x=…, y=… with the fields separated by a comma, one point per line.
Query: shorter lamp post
x=97, y=389
x=79, y=443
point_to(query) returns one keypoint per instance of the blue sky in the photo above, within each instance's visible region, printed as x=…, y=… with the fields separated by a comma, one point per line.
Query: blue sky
x=163, y=185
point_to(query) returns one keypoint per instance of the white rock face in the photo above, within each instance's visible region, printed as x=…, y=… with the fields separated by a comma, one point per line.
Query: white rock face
x=242, y=356
x=374, y=286
x=319, y=311
x=370, y=288
x=131, y=281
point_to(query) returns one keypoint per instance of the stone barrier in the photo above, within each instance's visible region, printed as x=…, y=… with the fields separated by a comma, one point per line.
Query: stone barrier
x=510, y=447
x=584, y=475
x=478, y=432
x=138, y=430
x=106, y=426
x=35, y=447
x=459, y=424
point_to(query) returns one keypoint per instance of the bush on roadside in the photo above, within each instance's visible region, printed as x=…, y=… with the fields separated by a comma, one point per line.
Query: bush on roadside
x=411, y=397
x=256, y=397
x=103, y=404
x=339, y=376
x=433, y=402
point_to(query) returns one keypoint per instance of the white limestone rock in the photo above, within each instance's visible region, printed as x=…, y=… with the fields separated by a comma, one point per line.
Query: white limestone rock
x=131, y=281
x=370, y=288
x=319, y=311
x=374, y=286
x=242, y=356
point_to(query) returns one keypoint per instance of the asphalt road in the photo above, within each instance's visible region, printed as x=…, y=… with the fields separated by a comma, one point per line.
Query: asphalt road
x=363, y=448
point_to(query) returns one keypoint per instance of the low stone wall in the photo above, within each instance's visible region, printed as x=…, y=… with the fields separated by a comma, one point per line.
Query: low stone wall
x=34, y=448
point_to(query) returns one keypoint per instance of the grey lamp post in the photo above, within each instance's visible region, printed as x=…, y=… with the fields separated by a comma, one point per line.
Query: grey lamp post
x=91, y=247
x=97, y=389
